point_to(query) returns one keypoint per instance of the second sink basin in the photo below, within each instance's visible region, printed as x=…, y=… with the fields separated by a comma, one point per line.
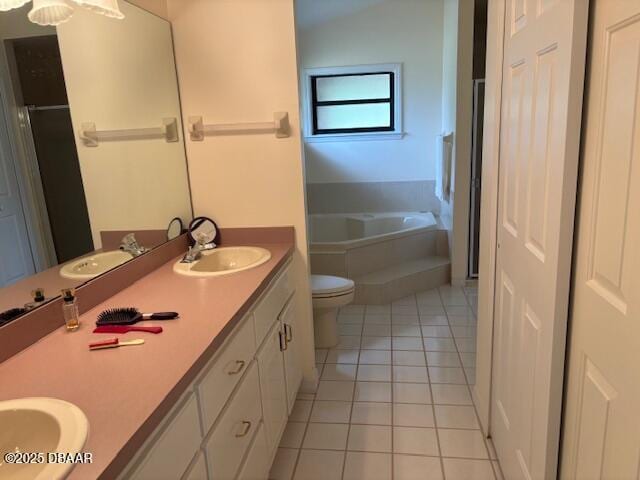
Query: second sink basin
x=40, y=425
x=223, y=261
x=89, y=267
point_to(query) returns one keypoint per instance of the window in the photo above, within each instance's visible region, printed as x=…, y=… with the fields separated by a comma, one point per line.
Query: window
x=359, y=101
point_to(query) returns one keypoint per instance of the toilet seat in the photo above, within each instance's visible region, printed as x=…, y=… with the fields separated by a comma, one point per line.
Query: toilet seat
x=328, y=286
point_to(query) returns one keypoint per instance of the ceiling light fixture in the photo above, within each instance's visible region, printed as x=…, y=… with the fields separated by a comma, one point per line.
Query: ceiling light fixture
x=50, y=12
x=6, y=5
x=108, y=8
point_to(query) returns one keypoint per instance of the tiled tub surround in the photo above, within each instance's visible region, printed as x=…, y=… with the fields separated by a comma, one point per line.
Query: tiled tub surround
x=394, y=400
x=127, y=392
x=372, y=197
x=386, y=266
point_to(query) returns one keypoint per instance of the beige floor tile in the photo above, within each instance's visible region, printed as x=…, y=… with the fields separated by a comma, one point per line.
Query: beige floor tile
x=375, y=357
x=431, y=320
x=405, y=331
x=463, y=332
x=471, y=375
x=326, y=436
x=408, y=300
x=349, y=329
x=377, y=319
x=319, y=465
x=463, y=321
x=343, y=356
x=405, y=320
x=370, y=438
x=329, y=411
x=345, y=318
x=408, y=358
x=371, y=413
x=339, y=372
x=458, y=311
x=437, y=331
x=431, y=309
x=348, y=342
x=367, y=466
x=407, y=343
x=328, y=390
x=466, y=345
x=379, y=309
x=352, y=309
x=410, y=374
x=468, y=359
x=373, y=330
x=415, y=441
x=448, y=416
x=404, y=309
x=445, y=394
x=439, y=345
x=376, y=343
x=293, y=434
x=373, y=392
x=321, y=355
x=462, y=443
x=411, y=393
x=301, y=411
x=443, y=359
x=412, y=415
x=429, y=297
x=284, y=464
x=374, y=373
x=461, y=469
x=447, y=375
x=412, y=467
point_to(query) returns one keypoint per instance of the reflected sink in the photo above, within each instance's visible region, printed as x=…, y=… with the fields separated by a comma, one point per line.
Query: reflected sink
x=40, y=425
x=89, y=267
x=223, y=261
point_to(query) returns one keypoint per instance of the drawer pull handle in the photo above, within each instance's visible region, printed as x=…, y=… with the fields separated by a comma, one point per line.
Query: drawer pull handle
x=283, y=341
x=288, y=330
x=246, y=426
x=238, y=369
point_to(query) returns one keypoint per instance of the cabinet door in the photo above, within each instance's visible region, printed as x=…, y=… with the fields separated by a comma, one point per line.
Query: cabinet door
x=293, y=371
x=272, y=385
x=256, y=465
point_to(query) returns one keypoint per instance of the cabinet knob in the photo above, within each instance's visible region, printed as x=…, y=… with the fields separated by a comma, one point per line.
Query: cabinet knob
x=288, y=331
x=239, y=366
x=283, y=341
x=246, y=426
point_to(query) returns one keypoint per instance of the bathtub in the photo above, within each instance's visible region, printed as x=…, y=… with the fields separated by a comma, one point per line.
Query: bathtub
x=339, y=232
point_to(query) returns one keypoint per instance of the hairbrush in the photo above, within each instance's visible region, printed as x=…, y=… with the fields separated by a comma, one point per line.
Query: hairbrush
x=11, y=314
x=130, y=315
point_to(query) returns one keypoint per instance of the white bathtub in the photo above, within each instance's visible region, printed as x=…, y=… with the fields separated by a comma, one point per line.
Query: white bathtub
x=335, y=232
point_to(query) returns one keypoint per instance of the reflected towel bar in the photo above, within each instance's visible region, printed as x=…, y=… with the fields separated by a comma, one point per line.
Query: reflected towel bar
x=91, y=137
x=279, y=126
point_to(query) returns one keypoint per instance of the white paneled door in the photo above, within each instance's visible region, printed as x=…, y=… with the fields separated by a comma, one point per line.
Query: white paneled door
x=543, y=73
x=16, y=261
x=601, y=438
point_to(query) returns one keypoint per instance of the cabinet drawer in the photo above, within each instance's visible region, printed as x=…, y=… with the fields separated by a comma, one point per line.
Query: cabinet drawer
x=173, y=450
x=256, y=465
x=272, y=303
x=232, y=435
x=198, y=470
x=225, y=372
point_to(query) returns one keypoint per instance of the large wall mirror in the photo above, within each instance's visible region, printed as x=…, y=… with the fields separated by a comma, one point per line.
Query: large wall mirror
x=91, y=148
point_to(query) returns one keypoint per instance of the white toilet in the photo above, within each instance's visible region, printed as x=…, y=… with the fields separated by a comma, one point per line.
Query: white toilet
x=329, y=294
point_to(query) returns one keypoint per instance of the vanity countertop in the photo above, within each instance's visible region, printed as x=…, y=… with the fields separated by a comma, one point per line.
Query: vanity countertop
x=126, y=392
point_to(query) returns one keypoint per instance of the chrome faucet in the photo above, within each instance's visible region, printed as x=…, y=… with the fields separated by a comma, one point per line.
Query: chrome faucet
x=130, y=245
x=195, y=252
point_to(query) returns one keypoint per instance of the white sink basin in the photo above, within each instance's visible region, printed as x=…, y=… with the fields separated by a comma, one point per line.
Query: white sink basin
x=223, y=261
x=89, y=267
x=40, y=425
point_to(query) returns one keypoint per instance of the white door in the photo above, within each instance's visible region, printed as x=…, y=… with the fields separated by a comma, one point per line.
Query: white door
x=543, y=72
x=293, y=371
x=273, y=390
x=601, y=436
x=16, y=261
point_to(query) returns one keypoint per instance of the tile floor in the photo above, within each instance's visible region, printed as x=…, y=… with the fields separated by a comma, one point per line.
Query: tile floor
x=393, y=400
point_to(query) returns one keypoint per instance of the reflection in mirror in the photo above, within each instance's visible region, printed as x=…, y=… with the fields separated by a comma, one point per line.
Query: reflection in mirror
x=175, y=228
x=92, y=159
x=203, y=230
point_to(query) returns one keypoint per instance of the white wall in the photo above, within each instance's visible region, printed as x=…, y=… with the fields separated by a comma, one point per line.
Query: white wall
x=388, y=31
x=237, y=62
x=121, y=75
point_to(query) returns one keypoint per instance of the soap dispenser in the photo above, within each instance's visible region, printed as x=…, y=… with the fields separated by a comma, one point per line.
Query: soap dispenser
x=70, y=309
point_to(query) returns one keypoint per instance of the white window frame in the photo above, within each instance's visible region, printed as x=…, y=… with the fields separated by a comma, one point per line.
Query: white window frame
x=396, y=134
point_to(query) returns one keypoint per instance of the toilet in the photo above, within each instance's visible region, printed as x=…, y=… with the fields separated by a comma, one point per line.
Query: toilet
x=329, y=294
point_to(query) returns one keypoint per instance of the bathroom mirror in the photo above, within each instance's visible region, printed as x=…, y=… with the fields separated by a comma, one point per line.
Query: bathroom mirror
x=91, y=148
x=174, y=229
x=203, y=230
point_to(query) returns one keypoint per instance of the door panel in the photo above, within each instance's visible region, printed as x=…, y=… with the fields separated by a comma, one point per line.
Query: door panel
x=16, y=261
x=601, y=436
x=541, y=107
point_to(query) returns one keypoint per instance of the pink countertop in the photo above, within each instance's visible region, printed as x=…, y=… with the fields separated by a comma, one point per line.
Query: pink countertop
x=126, y=392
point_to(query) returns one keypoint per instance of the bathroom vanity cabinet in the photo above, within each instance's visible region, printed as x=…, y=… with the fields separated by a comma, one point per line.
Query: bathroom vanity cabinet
x=228, y=423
